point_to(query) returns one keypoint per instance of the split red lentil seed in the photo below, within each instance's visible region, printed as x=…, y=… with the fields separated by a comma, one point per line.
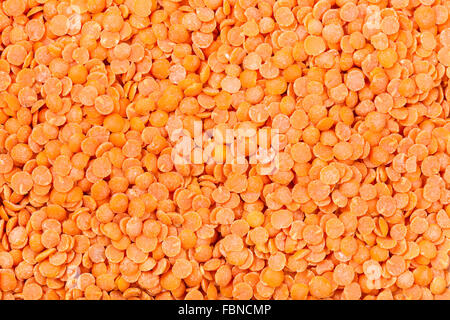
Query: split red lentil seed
x=97, y=204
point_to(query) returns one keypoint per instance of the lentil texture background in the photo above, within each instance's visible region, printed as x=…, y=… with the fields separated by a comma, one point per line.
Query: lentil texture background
x=93, y=205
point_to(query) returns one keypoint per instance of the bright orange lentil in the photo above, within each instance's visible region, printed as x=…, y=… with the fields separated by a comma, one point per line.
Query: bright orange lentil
x=224, y=149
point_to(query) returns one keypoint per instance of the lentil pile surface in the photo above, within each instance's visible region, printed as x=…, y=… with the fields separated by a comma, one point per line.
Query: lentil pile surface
x=93, y=205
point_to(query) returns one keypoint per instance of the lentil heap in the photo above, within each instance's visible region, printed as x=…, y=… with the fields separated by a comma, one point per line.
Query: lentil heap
x=95, y=207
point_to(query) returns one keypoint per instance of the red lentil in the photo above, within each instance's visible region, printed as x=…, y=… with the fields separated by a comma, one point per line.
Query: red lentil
x=350, y=201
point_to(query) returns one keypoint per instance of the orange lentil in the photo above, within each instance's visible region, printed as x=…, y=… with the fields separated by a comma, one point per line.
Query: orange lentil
x=222, y=150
